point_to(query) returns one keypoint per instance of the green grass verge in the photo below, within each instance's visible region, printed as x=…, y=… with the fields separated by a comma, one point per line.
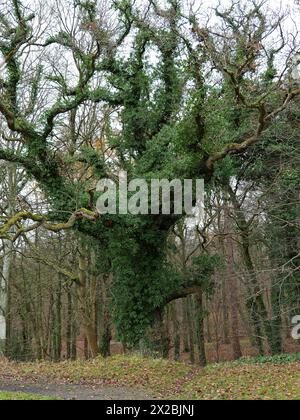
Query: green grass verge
x=20, y=396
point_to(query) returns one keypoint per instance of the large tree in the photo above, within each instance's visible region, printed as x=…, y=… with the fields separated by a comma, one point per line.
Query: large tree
x=177, y=98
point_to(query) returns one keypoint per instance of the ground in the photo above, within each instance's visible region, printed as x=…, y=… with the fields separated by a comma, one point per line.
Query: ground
x=42, y=390
x=21, y=396
x=137, y=378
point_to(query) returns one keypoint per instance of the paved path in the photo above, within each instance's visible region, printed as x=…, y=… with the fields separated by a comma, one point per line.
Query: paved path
x=72, y=391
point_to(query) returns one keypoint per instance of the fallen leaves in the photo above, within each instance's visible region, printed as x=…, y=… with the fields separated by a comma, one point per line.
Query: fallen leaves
x=165, y=379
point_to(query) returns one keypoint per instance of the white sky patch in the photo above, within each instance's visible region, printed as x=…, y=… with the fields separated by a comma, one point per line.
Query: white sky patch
x=2, y=66
x=2, y=328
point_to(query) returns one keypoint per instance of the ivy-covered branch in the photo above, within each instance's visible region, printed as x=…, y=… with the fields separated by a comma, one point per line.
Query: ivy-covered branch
x=10, y=156
x=264, y=119
x=17, y=36
x=42, y=220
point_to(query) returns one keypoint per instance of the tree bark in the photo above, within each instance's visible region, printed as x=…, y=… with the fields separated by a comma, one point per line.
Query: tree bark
x=233, y=291
x=88, y=320
x=200, y=328
x=190, y=325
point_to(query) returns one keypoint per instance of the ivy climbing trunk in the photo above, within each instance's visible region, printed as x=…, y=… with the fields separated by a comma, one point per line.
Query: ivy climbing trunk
x=161, y=333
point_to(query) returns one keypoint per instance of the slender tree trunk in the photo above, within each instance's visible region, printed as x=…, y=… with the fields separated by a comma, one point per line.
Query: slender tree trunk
x=276, y=345
x=200, y=328
x=225, y=337
x=190, y=326
x=208, y=323
x=8, y=256
x=162, y=333
x=255, y=302
x=106, y=333
x=71, y=326
x=4, y=281
x=87, y=318
x=185, y=332
x=256, y=305
x=57, y=316
x=74, y=325
x=86, y=349
x=8, y=319
x=176, y=331
x=223, y=283
x=233, y=291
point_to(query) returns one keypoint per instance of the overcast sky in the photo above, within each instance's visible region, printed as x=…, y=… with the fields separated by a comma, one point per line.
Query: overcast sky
x=202, y=5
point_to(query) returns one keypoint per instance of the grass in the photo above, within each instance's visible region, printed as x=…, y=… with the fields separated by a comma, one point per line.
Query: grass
x=20, y=396
x=156, y=376
x=242, y=381
x=250, y=379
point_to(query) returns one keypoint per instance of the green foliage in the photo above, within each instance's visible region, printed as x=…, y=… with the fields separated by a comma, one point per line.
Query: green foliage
x=142, y=278
x=278, y=359
x=22, y=396
x=203, y=267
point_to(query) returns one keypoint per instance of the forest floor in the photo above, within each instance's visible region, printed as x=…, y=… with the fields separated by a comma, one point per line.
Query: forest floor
x=137, y=378
x=43, y=389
